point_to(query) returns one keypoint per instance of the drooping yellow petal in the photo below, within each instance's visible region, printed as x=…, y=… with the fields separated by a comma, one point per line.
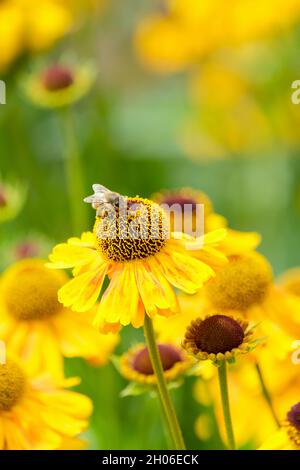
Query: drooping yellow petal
x=155, y=291
x=82, y=292
x=119, y=303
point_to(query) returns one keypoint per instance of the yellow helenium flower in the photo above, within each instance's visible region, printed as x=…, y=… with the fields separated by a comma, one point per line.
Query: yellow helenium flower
x=135, y=364
x=38, y=328
x=142, y=263
x=32, y=25
x=36, y=413
x=59, y=85
x=226, y=121
x=184, y=202
x=188, y=30
x=11, y=33
x=288, y=437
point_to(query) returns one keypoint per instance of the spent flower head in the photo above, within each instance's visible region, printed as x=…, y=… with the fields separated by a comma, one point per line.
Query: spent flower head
x=12, y=199
x=218, y=338
x=59, y=84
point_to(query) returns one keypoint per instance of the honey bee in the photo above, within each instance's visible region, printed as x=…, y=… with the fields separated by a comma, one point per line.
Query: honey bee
x=103, y=199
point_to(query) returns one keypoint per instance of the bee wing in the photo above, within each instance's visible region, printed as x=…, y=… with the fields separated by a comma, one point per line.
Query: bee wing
x=99, y=194
x=91, y=199
x=99, y=188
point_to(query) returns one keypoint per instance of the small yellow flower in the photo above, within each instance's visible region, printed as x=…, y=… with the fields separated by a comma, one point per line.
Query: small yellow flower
x=133, y=249
x=36, y=413
x=12, y=199
x=135, y=364
x=182, y=204
x=218, y=338
x=59, y=85
x=288, y=437
x=38, y=328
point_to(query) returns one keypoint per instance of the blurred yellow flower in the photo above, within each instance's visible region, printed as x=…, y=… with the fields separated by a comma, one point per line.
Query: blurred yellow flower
x=228, y=116
x=232, y=67
x=58, y=85
x=289, y=284
x=37, y=413
x=288, y=437
x=143, y=267
x=31, y=25
x=36, y=326
x=189, y=30
x=182, y=206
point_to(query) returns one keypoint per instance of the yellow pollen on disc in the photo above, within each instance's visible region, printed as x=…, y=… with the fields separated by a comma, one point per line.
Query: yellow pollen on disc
x=243, y=282
x=135, y=230
x=30, y=290
x=12, y=385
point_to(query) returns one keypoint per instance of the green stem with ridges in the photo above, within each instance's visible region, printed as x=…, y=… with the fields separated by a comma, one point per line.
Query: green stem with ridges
x=222, y=372
x=163, y=392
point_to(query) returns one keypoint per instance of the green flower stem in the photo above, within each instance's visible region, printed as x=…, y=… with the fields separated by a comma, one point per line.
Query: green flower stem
x=164, y=396
x=222, y=372
x=74, y=174
x=266, y=394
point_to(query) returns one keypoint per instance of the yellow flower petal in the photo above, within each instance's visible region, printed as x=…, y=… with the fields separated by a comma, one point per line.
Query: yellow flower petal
x=184, y=272
x=119, y=303
x=68, y=255
x=83, y=291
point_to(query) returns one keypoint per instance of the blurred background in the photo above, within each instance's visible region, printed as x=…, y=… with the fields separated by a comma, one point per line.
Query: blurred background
x=186, y=93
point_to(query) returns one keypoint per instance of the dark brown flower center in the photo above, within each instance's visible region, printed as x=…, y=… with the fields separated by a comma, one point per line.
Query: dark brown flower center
x=3, y=200
x=218, y=334
x=57, y=78
x=169, y=355
x=293, y=416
